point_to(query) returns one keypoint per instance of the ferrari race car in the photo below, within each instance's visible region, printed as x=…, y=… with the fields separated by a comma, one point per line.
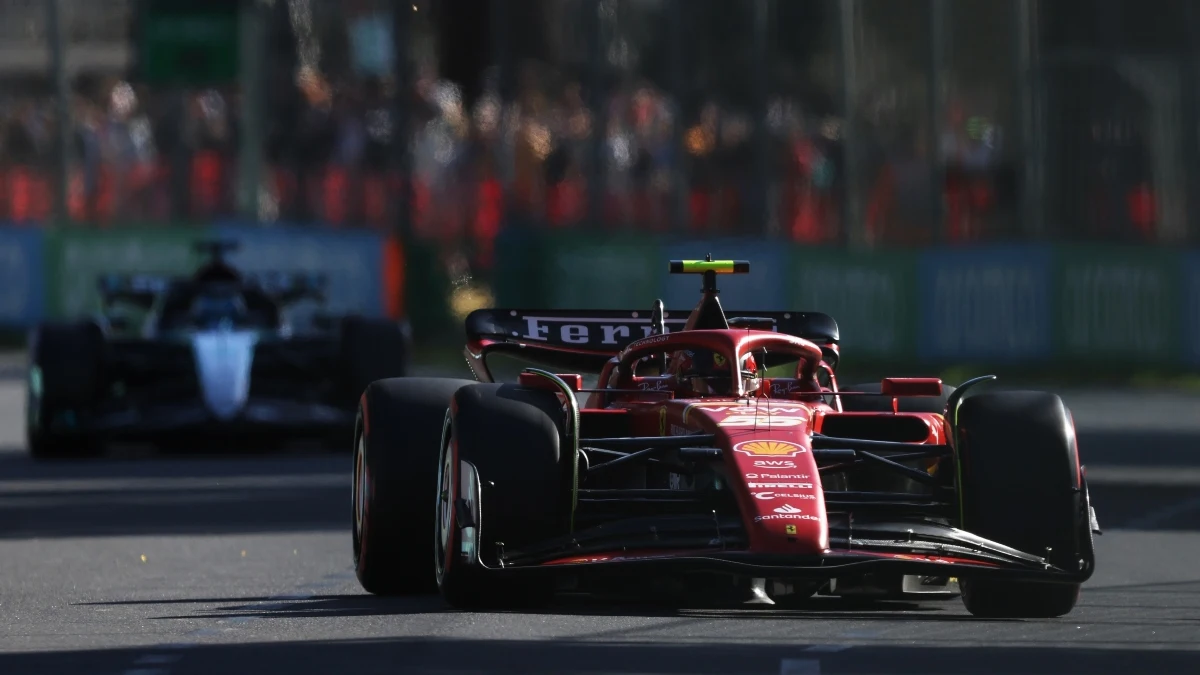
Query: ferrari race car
x=210, y=356
x=713, y=452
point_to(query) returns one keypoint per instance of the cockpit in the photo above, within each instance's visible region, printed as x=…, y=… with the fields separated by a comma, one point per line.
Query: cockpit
x=709, y=373
x=216, y=310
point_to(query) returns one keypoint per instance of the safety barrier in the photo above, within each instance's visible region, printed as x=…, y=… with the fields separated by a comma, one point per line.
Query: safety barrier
x=1115, y=307
x=52, y=273
x=1089, y=307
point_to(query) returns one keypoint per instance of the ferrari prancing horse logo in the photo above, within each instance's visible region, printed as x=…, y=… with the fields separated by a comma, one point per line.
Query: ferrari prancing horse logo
x=769, y=448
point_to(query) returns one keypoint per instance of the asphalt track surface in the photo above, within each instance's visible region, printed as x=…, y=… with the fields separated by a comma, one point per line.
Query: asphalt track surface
x=228, y=563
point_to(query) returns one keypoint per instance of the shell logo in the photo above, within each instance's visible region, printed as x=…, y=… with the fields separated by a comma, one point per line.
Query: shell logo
x=769, y=448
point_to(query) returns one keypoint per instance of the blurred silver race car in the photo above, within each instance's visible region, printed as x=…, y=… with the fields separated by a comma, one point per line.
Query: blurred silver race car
x=212, y=357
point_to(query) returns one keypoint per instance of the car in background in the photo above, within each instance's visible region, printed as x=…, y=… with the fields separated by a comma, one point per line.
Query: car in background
x=215, y=356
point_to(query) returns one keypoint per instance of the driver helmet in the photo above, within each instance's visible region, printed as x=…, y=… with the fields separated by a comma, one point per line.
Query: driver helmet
x=708, y=372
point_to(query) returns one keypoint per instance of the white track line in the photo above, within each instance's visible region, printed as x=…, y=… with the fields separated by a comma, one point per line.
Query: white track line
x=800, y=667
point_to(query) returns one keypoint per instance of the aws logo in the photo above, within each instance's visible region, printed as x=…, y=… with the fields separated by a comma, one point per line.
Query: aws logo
x=769, y=448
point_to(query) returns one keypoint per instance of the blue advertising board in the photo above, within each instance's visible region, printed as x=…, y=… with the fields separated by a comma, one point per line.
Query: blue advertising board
x=22, y=276
x=765, y=288
x=352, y=260
x=990, y=304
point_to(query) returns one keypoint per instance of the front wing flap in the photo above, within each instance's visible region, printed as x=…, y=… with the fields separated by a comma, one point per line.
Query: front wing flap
x=904, y=548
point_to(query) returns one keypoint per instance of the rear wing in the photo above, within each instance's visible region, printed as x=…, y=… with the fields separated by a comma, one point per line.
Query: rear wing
x=587, y=339
x=288, y=287
x=140, y=290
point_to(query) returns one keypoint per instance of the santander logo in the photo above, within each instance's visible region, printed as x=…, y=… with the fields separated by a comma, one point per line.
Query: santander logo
x=788, y=508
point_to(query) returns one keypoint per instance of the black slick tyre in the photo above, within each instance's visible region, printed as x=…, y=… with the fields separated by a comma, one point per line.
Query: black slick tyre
x=66, y=378
x=1019, y=484
x=881, y=403
x=511, y=437
x=397, y=434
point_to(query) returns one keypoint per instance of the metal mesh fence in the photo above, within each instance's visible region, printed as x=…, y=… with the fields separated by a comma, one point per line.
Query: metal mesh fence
x=866, y=122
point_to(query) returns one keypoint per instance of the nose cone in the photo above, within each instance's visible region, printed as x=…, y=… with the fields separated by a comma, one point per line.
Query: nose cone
x=223, y=361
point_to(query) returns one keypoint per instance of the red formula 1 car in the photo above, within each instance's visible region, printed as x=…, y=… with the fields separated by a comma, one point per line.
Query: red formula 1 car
x=717, y=455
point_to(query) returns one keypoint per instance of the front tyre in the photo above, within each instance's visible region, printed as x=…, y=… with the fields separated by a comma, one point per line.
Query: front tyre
x=501, y=484
x=1020, y=485
x=66, y=378
x=396, y=439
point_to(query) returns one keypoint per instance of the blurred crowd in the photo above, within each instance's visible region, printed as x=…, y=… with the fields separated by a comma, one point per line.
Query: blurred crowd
x=330, y=158
x=551, y=155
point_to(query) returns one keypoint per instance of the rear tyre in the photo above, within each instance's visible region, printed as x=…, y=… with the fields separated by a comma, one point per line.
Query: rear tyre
x=397, y=434
x=510, y=438
x=66, y=377
x=1020, y=485
x=881, y=403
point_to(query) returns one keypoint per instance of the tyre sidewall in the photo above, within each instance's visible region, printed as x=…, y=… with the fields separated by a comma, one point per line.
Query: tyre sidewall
x=1019, y=484
x=511, y=437
x=66, y=374
x=399, y=426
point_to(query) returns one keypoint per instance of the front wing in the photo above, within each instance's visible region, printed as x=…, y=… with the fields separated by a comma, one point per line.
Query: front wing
x=884, y=546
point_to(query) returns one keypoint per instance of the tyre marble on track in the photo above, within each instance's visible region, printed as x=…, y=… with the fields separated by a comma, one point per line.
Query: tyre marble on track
x=246, y=569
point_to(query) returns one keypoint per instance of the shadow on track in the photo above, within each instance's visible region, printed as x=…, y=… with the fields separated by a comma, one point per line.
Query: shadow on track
x=1140, y=448
x=444, y=656
x=124, y=511
x=329, y=606
x=176, y=495
x=15, y=464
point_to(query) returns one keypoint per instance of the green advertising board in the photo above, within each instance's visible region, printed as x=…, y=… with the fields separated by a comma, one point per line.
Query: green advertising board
x=872, y=296
x=189, y=42
x=602, y=272
x=1118, y=302
x=77, y=258
x=1071, y=306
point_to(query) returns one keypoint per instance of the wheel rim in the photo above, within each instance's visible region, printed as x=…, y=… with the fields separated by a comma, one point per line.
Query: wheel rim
x=444, y=530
